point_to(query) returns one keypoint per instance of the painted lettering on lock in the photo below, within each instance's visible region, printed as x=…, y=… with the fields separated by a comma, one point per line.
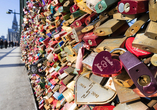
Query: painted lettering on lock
x=103, y=63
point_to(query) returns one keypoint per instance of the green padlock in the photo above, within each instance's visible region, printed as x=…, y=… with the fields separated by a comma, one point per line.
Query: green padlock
x=103, y=5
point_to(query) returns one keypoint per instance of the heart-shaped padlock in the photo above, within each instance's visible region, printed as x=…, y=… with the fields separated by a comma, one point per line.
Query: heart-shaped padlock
x=105, y=66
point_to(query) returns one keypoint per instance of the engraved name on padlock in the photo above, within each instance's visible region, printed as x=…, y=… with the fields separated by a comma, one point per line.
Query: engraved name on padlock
x=144, y=80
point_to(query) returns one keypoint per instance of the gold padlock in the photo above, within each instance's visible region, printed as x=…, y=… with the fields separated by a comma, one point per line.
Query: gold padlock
x=109, y=27
x=110, y=44
x=137, y=25
x=143, y=42
x=151, y=30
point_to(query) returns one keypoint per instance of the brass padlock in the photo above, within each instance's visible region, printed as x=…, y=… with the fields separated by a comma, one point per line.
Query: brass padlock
x=120, y=16
x=152, y=10
x=143, y=42
x=108, y=27
x=132, y=30
x=110, y=44
x=151, y=30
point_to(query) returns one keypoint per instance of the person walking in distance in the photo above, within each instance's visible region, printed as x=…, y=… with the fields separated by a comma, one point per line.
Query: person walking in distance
x=6, y=44
x=11, y=43
x=1, y=43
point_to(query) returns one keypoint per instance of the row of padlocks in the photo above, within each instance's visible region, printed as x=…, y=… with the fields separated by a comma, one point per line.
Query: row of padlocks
x=91, y=54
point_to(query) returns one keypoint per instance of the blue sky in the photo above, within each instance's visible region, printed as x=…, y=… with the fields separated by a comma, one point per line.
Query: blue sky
x=6, y=19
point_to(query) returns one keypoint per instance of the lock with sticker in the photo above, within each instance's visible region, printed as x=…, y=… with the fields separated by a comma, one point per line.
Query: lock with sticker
x=143, y=80
x=132, y=7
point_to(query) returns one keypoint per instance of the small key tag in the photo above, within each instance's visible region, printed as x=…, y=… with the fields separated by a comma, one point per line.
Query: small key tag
x=105, y=66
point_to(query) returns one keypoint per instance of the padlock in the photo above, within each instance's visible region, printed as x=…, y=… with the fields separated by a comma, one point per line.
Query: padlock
x=77, y=14
x=91, y=39
x=82, y=5
x=68, y=49
x=79, y=22
x=110, y=44
x=90, y=18
x=125, y=94
x=145, y=43
x=62, y=1
x=103, y=5
x=77, y=34
x=150, y=31
x=120, y=16
x=152, y=10
x=88, y=61
x=94, y=24
x=137, y=52
x=98, y=79
x=68, y=3
x=68, y=22
x=123, y=79
x=132, y=7
x=86, y=92
x=55, y=3
x=108, y=27
x=74, y=8
x=91, y=4
x=67, y=37
x=63, y=9
x=144, y=80
x=132, y=30
x=77, y=47
x=103, y=64
x=67, y=16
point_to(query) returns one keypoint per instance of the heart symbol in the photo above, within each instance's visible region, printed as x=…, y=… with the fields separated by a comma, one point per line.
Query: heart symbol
x=89, y=92
x=105, y=66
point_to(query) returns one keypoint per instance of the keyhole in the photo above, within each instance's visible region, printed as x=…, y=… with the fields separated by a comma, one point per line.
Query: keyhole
x=100, y=7
x=120, y=82
x=144, y=80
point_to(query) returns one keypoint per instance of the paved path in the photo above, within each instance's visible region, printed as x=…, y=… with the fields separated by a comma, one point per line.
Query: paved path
x=15, y=89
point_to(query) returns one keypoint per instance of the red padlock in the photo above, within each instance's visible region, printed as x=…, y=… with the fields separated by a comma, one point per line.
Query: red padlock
x=91, y=39
x=132, y=6
x=137, y=52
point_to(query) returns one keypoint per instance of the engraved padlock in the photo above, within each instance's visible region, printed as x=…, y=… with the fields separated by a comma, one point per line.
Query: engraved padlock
x=105, y=66
x=139, y=73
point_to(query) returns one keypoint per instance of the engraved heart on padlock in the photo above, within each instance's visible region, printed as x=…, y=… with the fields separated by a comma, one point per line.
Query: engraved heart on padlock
x=105, y=66
x=89, y=92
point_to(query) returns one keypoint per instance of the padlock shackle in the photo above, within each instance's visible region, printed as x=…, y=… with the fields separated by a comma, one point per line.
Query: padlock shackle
x=118, y=49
